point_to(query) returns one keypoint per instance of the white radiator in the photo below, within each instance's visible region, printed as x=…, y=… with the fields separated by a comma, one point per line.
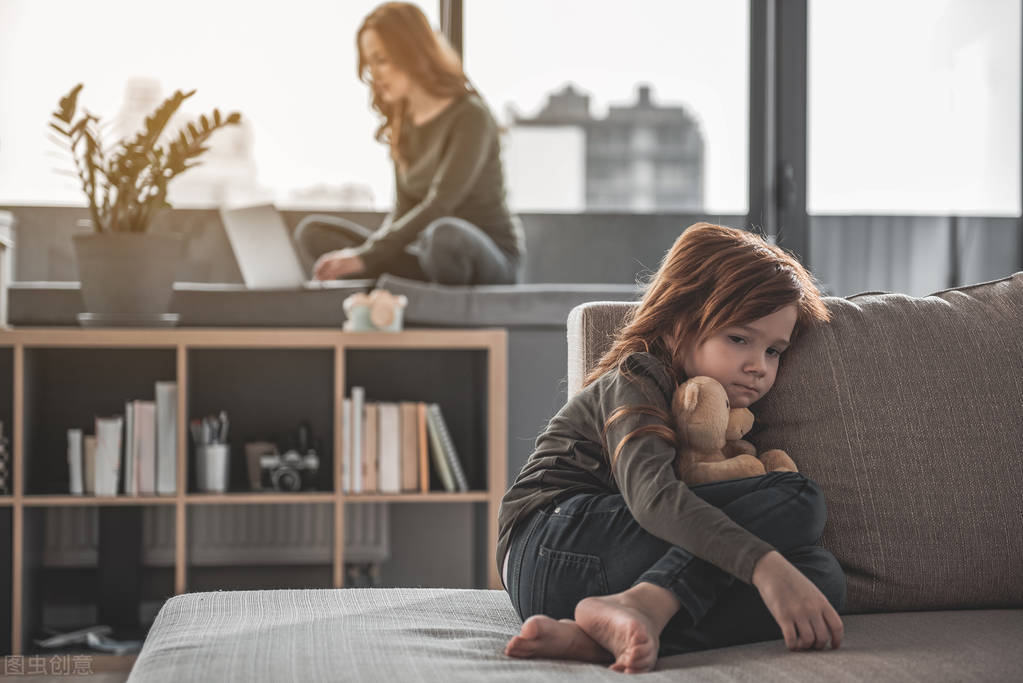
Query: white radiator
x=225, y=535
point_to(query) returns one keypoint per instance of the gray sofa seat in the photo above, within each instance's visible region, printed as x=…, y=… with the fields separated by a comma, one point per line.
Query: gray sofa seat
x=448, y=636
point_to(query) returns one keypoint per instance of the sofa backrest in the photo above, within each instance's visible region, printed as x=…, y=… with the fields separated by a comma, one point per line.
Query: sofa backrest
x=909, y=414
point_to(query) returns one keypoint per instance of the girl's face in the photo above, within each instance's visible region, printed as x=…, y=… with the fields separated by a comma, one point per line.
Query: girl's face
x=390, y=82
x=744, y=358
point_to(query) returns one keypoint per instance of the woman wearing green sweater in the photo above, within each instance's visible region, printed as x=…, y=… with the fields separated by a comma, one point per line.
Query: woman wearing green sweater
x=450, y=223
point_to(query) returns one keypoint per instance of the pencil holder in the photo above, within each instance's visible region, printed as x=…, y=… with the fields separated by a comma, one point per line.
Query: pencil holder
x=212, y=464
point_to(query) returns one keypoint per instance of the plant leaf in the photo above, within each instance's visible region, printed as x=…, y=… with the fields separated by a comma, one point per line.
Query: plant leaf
x=68, y=103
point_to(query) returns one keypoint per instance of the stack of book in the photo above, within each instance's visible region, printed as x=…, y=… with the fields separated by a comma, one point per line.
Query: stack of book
x=144, y=438
x=387, y=447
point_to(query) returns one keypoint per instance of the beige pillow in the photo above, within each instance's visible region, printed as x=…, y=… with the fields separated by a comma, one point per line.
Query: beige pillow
x=909, y=414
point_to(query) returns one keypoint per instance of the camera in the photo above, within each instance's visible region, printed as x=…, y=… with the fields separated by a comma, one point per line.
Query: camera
x=289, y=472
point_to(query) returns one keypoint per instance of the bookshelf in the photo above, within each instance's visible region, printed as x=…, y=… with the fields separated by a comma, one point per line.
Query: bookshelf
x=52, y=379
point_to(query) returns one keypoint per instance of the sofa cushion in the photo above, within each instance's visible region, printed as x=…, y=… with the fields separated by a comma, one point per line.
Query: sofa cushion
x=909, y=413
x=481, y=305
x=408, y=634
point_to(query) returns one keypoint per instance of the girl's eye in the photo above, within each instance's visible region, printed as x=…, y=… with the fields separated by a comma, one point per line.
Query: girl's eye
x=775, y=352
x=737, y=340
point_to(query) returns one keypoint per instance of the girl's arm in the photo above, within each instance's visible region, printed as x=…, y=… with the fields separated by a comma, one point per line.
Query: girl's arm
x=805, y=616
x=645, y=473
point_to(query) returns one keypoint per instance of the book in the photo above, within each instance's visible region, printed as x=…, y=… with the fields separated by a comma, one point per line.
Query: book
x=423, y=446
x=89, y=464
x=107, y=458
x=370, y=451
x=131, y=485
x=409, y=447
x=346, y=445
x=358, y=419
x=447, y=446
x=74, y=462
x=440, y=462
x=144, y=428
x=389, y=441
x=166, y=437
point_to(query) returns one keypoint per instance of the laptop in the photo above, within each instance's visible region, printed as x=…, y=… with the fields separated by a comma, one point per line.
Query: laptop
x=263, y=248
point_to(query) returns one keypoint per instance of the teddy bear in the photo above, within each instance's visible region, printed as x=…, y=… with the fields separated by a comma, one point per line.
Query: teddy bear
x=378, y=311
x=709, y=430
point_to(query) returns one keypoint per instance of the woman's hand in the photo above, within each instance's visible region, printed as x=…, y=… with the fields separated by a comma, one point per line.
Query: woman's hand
x=336, y=264
x=806, y=617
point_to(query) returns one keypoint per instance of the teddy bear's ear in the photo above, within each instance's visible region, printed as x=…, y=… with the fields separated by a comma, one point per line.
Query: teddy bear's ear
x=691, y=397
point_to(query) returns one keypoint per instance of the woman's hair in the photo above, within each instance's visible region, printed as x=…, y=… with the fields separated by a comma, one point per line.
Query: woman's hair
x=415, y=48
x=713, y=277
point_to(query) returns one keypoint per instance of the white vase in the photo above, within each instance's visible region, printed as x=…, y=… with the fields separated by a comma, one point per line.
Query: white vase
x=128, y=275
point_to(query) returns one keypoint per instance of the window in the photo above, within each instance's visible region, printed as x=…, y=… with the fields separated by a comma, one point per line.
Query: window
x=290, y=71
x=602, y=83
x=914, y=107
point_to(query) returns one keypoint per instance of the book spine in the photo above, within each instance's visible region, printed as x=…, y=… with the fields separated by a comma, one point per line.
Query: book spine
x=409, y=450
x=166, y=437
x=450, y=454
x=437, y=451
x=74, y=461
x=89, y=464
x=389, y=440
x=371, y=452
x=346, y=445
x=423, y=444
x=108, y=454
x=358, y=422
x=130, y=475
x=145, y=440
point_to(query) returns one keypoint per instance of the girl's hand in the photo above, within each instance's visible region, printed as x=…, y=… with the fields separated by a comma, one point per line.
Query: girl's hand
x=805, y=616
x=336, y=264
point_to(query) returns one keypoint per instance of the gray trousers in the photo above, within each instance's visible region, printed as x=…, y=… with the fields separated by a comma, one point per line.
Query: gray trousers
x=449, y=251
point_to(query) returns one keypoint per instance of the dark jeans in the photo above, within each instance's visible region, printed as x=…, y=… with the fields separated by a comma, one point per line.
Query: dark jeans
x=590, y=544
x=450, y=251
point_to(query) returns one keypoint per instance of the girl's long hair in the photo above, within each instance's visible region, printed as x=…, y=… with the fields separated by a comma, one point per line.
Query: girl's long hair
x=713, y=277
x=415, y=48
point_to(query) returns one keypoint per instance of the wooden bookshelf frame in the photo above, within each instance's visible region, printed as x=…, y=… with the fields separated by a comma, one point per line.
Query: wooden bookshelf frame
x=492, y=341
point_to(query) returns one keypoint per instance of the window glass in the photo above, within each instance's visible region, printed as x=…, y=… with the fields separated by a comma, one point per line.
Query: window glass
x=288, y=68
x=914, y=107
x=607, y=106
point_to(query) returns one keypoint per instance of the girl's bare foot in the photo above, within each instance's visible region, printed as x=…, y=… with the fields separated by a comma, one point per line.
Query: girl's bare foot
x=628, y=624
x=549, y=639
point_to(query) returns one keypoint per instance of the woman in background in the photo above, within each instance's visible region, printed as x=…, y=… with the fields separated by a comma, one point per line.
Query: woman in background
x=450, y=223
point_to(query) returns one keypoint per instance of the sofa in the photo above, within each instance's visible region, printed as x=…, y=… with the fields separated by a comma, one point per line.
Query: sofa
x=909, y=414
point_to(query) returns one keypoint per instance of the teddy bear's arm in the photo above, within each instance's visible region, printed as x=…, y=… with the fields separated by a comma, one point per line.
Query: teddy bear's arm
x=776, y=460
x=737, y=447
x=733, y=468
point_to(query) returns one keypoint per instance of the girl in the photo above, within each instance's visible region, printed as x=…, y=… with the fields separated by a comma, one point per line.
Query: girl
x=605, y=554
x=450, y=223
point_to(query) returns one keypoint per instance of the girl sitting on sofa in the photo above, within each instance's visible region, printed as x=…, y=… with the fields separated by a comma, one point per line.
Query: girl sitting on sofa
x=605, y=553
x=450, y=223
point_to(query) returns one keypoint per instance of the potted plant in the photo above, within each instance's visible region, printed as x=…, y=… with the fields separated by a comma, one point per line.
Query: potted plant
x=126, y=273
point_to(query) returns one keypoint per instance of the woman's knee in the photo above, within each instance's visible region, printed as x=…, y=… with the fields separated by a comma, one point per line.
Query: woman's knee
x=317, y=234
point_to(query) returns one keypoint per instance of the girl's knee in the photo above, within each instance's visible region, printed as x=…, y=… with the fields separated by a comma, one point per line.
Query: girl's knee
x=808, y=496
x=823, y=569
